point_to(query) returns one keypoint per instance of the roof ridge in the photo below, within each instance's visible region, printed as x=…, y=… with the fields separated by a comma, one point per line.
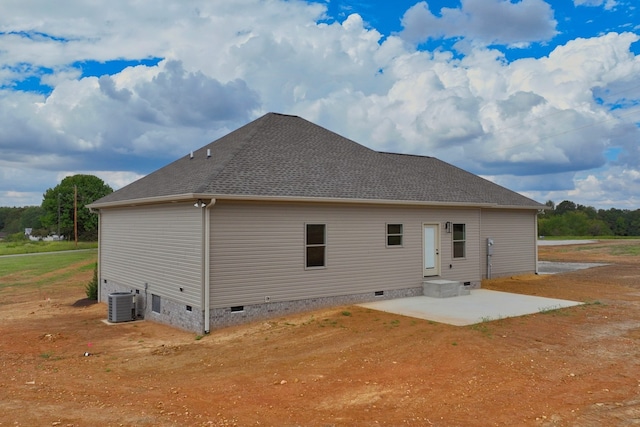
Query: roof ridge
x=405, y=154
x=281, y=114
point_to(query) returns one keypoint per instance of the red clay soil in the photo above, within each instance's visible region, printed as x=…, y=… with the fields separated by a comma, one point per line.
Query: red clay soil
x=345, y=366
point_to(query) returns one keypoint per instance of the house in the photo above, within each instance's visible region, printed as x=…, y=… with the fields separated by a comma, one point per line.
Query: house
x=283, y=215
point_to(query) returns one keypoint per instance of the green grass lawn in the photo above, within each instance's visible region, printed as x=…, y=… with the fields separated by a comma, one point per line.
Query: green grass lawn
x=626, y=250
x=33, y=269
x=29, y=247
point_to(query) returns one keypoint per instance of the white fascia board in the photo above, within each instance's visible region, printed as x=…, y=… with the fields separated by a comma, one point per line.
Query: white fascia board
x=189, y=197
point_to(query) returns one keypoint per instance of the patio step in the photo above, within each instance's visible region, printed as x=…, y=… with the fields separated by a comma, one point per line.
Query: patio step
x=444, y=288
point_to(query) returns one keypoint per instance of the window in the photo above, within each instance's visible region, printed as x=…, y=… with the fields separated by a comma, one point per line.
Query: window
x=316, y=245
x=394, y=234
x=155, y=303
x=459, y=240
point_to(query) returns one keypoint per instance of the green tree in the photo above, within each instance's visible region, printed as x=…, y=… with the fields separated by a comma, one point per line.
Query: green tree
x=588, y=210
x=58, y=206
x=620, y=226
x=565, y=206
x=16, y=220
x=571, y=219
x=10, y=220
x=550, y=204
x=574, y=223
x=4, y=213
x=634, y=223
x=30, y=217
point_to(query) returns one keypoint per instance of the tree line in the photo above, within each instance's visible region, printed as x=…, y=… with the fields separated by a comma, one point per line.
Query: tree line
x=63, y=207
x=571, y=219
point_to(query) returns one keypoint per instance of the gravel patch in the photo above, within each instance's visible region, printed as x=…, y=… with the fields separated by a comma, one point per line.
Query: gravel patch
x=564, y=242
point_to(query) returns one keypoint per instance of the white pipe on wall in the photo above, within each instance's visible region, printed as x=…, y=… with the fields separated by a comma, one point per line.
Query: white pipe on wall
x=207, y=266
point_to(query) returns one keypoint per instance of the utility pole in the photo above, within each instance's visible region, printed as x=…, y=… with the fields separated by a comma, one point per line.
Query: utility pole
x=75, y=213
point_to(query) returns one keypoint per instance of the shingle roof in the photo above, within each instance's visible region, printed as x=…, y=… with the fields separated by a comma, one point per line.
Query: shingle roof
x=285, y=156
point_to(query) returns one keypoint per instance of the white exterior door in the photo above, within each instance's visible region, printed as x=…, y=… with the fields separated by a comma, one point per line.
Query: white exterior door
x=431, y=251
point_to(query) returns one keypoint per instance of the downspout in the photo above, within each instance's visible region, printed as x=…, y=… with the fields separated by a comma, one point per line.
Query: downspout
x=207, y=266
x=535, y=238
x=99, y=262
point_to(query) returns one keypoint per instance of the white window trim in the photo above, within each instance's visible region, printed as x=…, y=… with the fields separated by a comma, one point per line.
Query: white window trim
x=306, y=245
x=387, y=235
x=453, y=241
x=159, y=300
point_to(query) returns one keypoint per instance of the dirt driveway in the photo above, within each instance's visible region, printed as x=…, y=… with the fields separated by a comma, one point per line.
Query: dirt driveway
x=347, y=366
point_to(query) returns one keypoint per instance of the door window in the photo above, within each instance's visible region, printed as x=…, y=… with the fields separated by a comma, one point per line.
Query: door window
x=431, y=249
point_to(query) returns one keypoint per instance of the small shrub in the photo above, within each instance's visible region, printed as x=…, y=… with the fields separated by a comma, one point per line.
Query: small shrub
x=16, y=237
x=92, y=287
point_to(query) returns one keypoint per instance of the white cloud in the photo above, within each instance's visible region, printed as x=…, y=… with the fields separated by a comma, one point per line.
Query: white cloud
x=608, y=4
x=529, y=117
x=22, y=185
x=20, y=199
x=602, y=189
x=530, y=123
x=31, y=184
x=116, y=179
x=174, y=97
x=616, y=187
x=89, y=115
x=485, y=21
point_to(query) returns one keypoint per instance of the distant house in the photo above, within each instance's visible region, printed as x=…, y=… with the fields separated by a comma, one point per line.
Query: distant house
x=283, y=215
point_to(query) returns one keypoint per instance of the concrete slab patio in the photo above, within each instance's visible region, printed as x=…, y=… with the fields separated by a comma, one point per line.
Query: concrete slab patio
x=547, y=267
x=482, y=305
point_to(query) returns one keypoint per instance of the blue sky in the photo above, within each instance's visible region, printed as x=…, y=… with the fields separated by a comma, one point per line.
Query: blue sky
x=542, y=97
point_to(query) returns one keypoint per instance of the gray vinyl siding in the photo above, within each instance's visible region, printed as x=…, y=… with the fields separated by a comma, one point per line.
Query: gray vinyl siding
x=257, y=250
x=157, y=245
x=468, y=268
x=514, y=235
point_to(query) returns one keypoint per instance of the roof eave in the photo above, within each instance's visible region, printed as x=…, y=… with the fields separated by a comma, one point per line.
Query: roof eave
x=188, y=197
x=175, y=198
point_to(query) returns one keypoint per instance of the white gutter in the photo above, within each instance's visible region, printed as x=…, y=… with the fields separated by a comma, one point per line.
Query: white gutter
x=186, y=197
x=189, y=197
x=207, y=266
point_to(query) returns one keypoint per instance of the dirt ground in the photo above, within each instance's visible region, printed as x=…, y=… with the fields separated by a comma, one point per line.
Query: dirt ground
x=346, y=366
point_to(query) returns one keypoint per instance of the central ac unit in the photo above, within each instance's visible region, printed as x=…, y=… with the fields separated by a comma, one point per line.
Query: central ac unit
x=122, y=307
